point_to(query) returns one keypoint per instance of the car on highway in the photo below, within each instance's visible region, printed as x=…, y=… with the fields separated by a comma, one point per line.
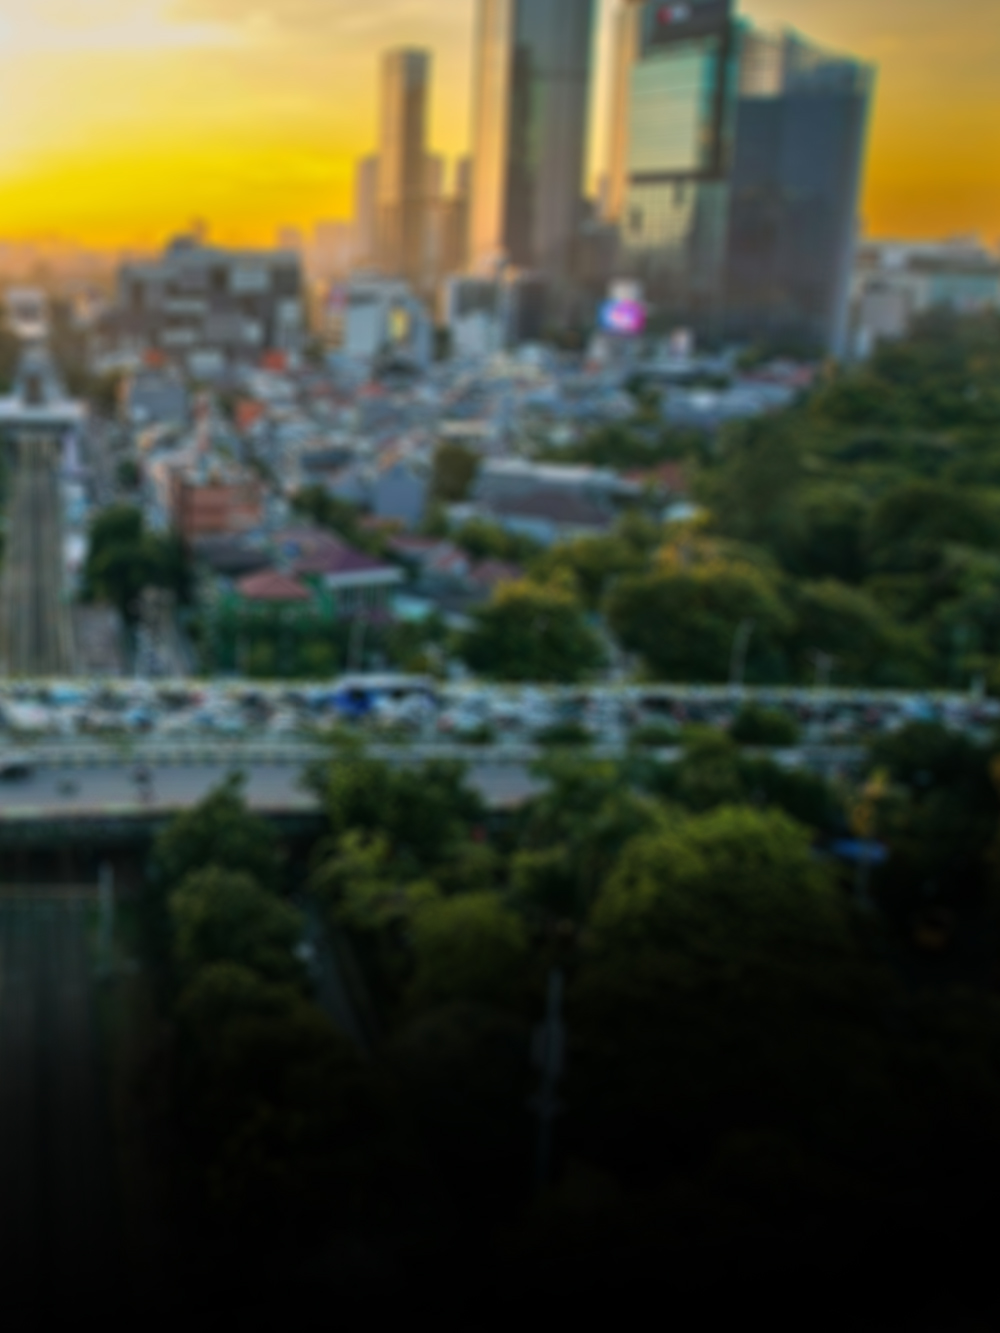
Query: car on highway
x=15, y=767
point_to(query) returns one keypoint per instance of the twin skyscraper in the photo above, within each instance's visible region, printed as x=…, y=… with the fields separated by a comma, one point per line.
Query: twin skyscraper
x=731, y=185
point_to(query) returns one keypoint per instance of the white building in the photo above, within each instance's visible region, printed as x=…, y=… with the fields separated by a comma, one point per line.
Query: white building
x=895, y=282
x=383, y=316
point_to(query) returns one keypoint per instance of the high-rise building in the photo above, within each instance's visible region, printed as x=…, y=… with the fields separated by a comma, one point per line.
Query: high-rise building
x=403, y=170
x=447, y=222
x=366, y=211
x=625, y=50
x=681, y=121
x=533, y=70
x=795, y=192
x=735, y=165
x=332, y=249
x=290, y=238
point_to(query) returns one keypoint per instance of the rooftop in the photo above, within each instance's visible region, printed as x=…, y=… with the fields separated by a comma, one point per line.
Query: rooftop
x=270, y=586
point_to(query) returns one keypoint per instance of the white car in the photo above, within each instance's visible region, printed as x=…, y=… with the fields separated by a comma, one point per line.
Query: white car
x=463, y=721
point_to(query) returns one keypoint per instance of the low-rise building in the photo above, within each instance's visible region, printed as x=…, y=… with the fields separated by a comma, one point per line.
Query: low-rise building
x=205, y=306
x=155, y=397
x=215, y=508
x=895, y=282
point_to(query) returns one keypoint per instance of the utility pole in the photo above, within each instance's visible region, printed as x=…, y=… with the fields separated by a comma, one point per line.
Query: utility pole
x=824, y=668
x=738, y=661
x=549, y=1055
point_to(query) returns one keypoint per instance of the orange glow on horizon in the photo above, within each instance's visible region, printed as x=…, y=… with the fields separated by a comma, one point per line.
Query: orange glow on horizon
x=121, y=126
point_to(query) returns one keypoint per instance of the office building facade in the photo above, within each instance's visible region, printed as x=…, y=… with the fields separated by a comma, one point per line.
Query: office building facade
x=366, y=212
x=795, y=193
x=403, y=163
x=533, y=75
x=201, y=304
x=681, y=126
x=896, y=283
x=738, y=157
x=624, y=53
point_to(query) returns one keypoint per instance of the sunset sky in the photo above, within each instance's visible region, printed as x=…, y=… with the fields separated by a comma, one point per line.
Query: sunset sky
x=122, y=120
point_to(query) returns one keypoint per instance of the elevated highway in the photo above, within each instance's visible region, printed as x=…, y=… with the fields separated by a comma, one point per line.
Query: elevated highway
x=90, y=792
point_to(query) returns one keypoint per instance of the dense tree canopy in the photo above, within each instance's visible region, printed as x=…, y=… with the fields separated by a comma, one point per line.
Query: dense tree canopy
x=124, y=558
x=226, y=916
x=219, y=831
x=532, y=632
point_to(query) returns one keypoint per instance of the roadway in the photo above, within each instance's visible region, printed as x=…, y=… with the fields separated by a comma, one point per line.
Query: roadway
x=272, y=788
x=57, y=1197
x=35, y=630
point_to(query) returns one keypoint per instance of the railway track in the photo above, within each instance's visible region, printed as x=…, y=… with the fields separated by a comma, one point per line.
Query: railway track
x=35, y=625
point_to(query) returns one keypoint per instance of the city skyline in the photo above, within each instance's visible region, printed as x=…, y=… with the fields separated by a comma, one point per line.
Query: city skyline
x=122, y=125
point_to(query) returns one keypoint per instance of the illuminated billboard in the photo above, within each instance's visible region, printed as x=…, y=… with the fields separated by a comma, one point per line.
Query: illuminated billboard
x=693, y=18
x=624, y=317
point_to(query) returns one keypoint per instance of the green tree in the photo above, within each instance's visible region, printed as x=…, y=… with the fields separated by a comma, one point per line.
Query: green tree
x=729, y=883
x=455, y=471
x=753, y=493
x=291, y=1135
x=591, y=565
x=722, y=988
x=860, y=640
x=463, y=1077
x=940, y=820
x=532, y=632
x=488, y=541
x=123, y=559
x=128, y=474
x=221, y=915
x=684, y=621
x=911, y=524
x=825, y=537
x=571, y=834
x=754, y=725
x=424, y=814
x=470, y=948
x=219, y=831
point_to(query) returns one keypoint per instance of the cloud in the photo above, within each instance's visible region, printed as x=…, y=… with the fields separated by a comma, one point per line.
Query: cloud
x=60, y=26
x=291, y=18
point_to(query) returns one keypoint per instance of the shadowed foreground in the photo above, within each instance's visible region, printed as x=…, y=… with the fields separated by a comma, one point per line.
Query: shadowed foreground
x=57, y=1215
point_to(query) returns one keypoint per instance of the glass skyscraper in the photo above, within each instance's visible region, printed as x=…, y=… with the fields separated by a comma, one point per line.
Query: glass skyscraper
x=740, y=174
x=681, y=115
x=533, y=68
x=402, y=163
x=795, y=188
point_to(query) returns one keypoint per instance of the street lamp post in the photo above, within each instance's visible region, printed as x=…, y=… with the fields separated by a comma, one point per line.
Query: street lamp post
x=549, y=1053
x=106, y=898
x=738, y=659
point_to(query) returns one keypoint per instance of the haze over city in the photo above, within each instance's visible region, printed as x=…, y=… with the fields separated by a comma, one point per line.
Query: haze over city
x=500, y=663
x=125, y=118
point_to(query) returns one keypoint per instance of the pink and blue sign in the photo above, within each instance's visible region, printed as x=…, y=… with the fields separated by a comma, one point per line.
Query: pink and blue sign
x=626, y=318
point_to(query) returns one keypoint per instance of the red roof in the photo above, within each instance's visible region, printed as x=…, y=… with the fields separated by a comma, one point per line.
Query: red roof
x=415, y=546
x=667, y=477
x=372, y=523
x=270, y=586
x=345, y=560
x=249, y=412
